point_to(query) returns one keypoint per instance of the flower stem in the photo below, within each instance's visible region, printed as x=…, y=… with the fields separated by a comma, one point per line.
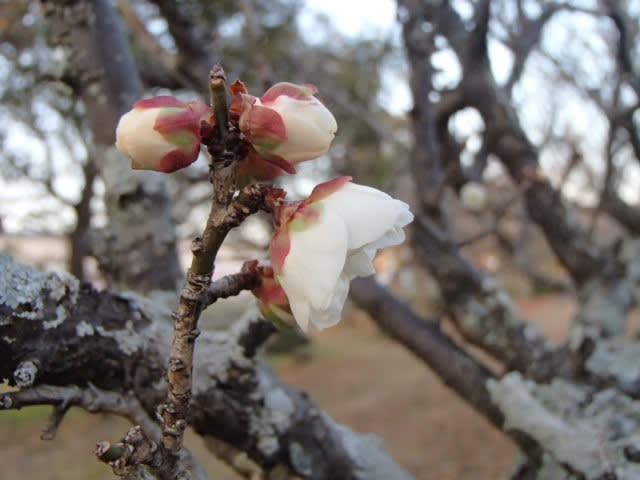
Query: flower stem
x=218, y=91
x=226, y=212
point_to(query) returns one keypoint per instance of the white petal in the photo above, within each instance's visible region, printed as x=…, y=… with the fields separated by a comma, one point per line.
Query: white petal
x=395, y=236
x=332, y=314
x=313, y=266
x=368, y=213
x=310, y=128
x=301, y=311
x=358, y=264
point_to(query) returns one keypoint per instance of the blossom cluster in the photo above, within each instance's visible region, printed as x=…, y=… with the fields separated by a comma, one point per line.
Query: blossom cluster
x=321, y=243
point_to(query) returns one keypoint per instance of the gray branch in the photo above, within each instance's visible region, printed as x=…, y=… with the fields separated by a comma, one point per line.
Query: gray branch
x=74, y=336
x=584, y=433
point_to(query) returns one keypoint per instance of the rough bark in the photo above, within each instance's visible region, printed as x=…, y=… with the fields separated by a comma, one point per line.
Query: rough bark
x=56, y=331
x=586, y=434
x=138, y=246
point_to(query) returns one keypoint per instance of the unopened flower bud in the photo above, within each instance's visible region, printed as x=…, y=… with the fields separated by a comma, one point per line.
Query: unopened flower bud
x=161, y=133
x=288, y=122
x=473, y=196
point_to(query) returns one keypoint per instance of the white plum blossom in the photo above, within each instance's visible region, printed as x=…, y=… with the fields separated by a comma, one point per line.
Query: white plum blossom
x=325, y=241
x=161, y=133
x=288, y=123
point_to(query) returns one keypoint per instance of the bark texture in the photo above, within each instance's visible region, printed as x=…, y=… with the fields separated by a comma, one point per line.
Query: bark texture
x=56, y=331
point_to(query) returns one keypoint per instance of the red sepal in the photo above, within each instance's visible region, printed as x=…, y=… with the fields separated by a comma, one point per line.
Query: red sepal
x=175, y=160
x=159, y=102
x=170, y=122
x=298, y=92
x=262, y=124
x=201, y=110
x=280, y=246
x=325, y=189
x=281, y=163
x=238, y=87
x=255, y=168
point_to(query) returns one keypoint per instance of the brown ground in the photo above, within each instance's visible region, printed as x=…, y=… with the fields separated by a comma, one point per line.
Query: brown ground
x=361, y=378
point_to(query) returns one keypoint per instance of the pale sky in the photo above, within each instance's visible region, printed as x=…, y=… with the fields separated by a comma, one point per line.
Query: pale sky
x=373, y=18
x=355, y=17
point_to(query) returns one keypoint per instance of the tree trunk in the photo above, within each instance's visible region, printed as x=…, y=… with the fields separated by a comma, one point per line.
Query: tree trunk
x=137, y=249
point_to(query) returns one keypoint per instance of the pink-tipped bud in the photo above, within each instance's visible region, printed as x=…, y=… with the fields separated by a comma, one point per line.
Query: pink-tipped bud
x=272, y=301
x=161, y=133
x=288, y=122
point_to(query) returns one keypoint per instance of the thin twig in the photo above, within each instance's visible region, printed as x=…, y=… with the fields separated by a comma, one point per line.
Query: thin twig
x=91, y=399
x=228, y=209
x=498, y=214
x=230, y=286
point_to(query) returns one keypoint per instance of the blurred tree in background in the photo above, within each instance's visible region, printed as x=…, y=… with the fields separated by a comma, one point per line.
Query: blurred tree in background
x=520, y=155
x=259, y=42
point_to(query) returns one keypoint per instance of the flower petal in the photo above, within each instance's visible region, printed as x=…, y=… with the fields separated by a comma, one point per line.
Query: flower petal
x=368, y=213
x=332, y=313
x=310, y=129
x=313, y=266
x=359, y=264
x=136, y=138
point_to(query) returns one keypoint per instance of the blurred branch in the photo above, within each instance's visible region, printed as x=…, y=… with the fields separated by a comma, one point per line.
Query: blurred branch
x=627, y=29
x=195, y=45
x=518, y=251
x=92, y=399
x=255, y=34
x=482, y=311
x=158, y=66
x=581, y=430
x=523, y=40
x=610, y=201
x=457, y=369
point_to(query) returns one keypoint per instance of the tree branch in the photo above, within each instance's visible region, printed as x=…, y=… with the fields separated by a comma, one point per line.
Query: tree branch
x=230, y=286
x=457, y=369
x=195, y=53
x=91, y=398
x=74, y=336
x=483, y=312
x=585, y=432
x=196, y=291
